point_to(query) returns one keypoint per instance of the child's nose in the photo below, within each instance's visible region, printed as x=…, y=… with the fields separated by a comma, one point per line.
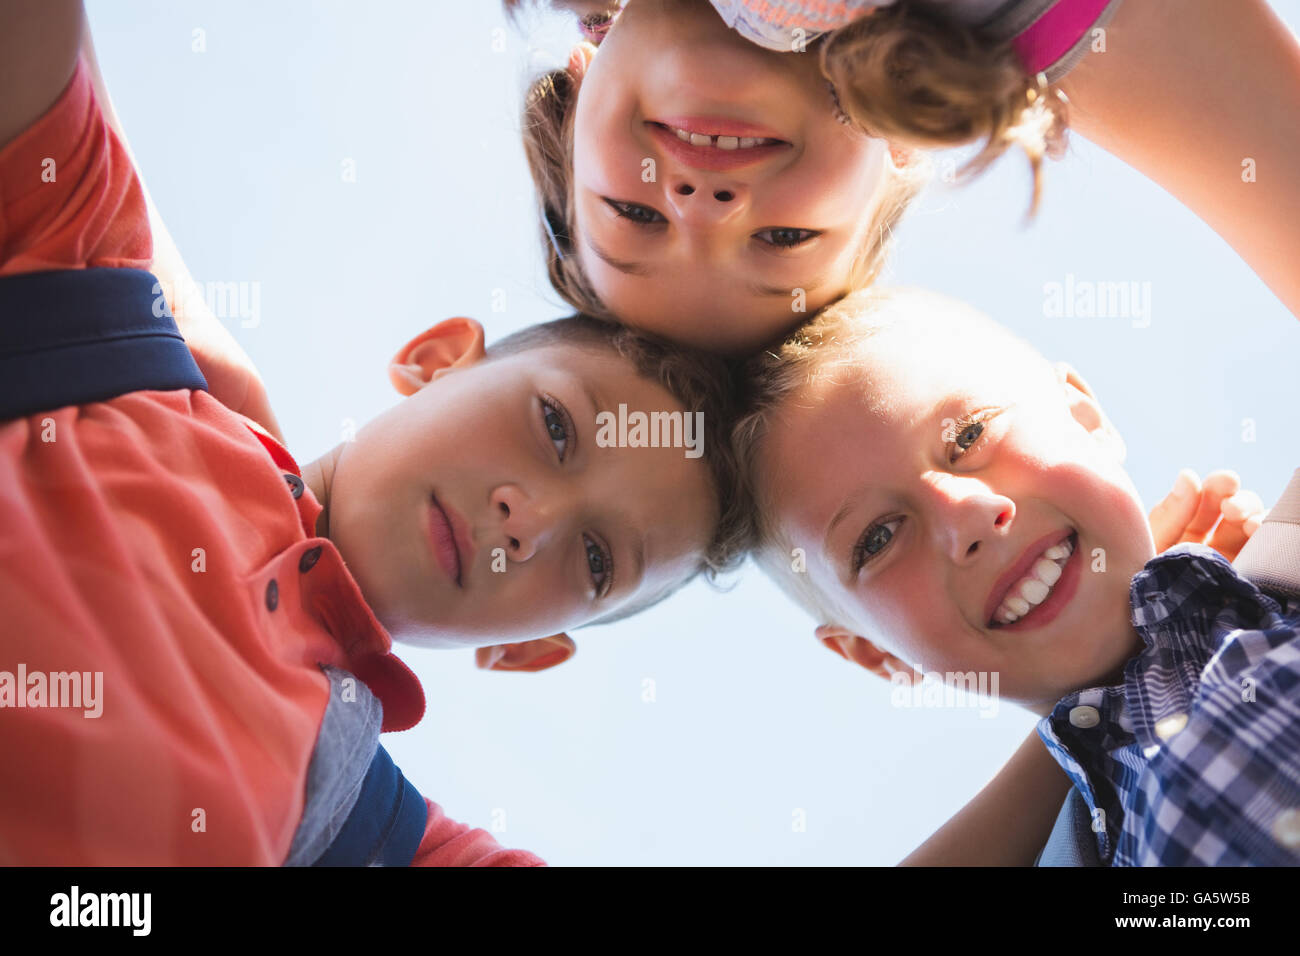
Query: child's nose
x=970, y=517
x=525, y=524
x=699, y=199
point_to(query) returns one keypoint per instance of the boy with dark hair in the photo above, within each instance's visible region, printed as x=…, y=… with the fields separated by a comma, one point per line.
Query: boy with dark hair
x=195, y=662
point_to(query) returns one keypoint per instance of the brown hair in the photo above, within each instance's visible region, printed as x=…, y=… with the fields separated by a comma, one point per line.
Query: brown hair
x=899, y=73
x=547, y=127
x=701, y=382
x=905, y=73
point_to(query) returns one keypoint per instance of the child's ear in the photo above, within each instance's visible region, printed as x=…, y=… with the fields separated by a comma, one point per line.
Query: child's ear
x=454, y=343
x=1086, y=410
x=580, y=58
x=859, y=650
x=901, y=156
x=535, y=655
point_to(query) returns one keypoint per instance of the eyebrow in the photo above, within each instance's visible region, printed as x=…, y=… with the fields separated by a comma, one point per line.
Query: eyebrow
x=597, y=404
x=638, y=558
x=637, y=545
x=840, y=515
x=786, y=291
x=627, y=268
x=856, y=497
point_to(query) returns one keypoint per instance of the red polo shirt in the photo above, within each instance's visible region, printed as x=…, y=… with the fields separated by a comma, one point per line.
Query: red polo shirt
x=163, y=548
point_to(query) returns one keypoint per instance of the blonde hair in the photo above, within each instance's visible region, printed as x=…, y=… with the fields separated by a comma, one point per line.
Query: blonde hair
x=833, y=341
x=829, y=340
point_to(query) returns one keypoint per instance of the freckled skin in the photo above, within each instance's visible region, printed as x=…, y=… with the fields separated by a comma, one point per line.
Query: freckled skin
x=873, y=435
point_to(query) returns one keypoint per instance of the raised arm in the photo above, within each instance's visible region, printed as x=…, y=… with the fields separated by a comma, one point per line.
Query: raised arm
x=40, y=42
x=1203, y=97
x=1006, y=823
x=38, y=52
x=231, y=376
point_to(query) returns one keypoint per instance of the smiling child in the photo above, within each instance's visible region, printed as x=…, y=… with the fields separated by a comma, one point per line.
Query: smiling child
x=965, y=508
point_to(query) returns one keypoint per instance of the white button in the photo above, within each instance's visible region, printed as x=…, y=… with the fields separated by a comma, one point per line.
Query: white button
x=1287, y=828
x=1084, y=716
x=1166, y=727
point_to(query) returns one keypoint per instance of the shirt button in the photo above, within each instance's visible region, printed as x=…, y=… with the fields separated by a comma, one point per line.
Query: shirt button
x=1166, y=727
x=272, y=595
x=308, y=560
x=1287, y=828
x=1084, y=716
x=295, y=485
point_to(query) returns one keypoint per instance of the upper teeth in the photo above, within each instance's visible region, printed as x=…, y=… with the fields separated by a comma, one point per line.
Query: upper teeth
x=721, y=142
x=1033, y=588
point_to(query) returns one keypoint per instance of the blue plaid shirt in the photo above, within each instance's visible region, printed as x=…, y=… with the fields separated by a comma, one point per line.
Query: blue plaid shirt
x=1195, y=758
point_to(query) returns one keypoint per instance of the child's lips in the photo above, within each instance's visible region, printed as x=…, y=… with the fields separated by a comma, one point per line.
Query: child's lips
x=712, y=158
x=717, y=126
x=451, y=546
x=464, y=540
x=1061, y=591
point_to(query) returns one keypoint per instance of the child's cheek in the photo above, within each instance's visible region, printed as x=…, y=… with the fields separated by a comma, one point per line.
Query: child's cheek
x=915, y=612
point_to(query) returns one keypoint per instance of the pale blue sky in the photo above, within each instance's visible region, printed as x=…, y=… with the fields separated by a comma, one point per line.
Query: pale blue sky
x=752, y=723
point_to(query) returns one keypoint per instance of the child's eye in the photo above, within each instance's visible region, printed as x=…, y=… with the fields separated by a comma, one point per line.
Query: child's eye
x=555, y=418
x=786, y=238
x=964, y=434
x=600, y=564
x=641, y=215
x=873, y=541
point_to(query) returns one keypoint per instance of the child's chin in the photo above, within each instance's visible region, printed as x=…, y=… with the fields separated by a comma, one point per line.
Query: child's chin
x=1114, y=645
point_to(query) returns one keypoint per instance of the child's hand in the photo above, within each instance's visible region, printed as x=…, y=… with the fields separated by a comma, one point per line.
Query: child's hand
x=1217, y=513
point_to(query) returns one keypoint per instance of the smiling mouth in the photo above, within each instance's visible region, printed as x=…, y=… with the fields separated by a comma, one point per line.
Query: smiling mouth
x=719, y=140
x=1031, y=594
x=716, y=151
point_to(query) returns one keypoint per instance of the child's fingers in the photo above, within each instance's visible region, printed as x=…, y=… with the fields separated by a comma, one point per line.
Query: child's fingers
x=1228, y=539
x=1218, y=486
x=1241, y=506
x=1172, y=515
x=1251, y=524
x=1232, y=532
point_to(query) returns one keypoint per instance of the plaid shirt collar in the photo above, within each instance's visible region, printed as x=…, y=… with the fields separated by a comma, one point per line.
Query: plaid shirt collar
x=1202, y=626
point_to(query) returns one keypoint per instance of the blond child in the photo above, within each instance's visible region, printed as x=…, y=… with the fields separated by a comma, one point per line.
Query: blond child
x=965, y=509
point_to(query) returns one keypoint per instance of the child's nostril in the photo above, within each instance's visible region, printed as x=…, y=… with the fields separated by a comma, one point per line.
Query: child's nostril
x=723, y=196
x=686, y=190
x=972, y=549
x=514, y=544
x=505, y=509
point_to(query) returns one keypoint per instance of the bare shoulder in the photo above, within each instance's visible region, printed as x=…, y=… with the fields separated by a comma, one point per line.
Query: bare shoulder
x=38, y=53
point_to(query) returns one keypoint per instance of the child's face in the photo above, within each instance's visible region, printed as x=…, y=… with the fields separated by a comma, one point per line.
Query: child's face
x=707, y=246
x=924, y=487
x=547, y=529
